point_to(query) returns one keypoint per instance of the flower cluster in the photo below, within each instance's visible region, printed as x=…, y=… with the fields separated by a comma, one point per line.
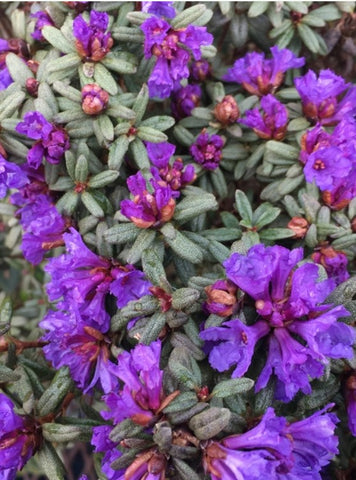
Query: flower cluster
x=207, y=150
x=92, y=41
x=52, y=141
x=165, y=43
x=288, y=300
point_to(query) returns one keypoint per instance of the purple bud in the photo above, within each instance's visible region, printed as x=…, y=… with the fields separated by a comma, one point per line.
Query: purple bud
x=207, y=150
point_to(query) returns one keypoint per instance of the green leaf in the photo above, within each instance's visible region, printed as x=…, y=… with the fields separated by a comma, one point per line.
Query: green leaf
x=120, y=65
x=103, y=178
x=81, y=169
x=193, y=205
x=264, y=215
x=182, y=402
x=257, y=8
x=149, y=134
x=117, y=152
x=144, y=239
x=188, y=16
x=159, y=122
x=313, y=20
x=92, y=205
x=309, y=38
x=152, y=267
x=104, y=79
x=153, y=328
x=56, y=38
x=243, y=206
x=18, y=69
x=125, y=232
x=210, y=422
x=234, y=386
x=139, y=153
x=52, y=398
x=276, y=233
x=141, y=102
x=181, y=245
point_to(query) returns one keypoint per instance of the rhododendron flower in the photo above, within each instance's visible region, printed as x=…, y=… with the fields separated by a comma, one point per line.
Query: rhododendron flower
x=92, y=43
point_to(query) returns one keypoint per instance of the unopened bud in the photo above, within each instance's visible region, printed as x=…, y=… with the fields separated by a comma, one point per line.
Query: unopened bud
x=221, y=298
x=227, y=112
x=299, y=225
x=32, y=86
x=94, y=99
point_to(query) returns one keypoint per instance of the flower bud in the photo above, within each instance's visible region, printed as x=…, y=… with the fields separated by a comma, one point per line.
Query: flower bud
x=221, y=298
x=32, y=86
x=94, y=99
x=227, y=111
x=299, y=225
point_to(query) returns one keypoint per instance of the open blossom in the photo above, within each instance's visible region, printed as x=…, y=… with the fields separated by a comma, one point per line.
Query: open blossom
x=334, y=262
x=207, y=150
x=163, y=42
x=81, y=277
x=275, y=449
x=92, y=41
x=260, y=76
x=142, y=392
x=42, y=19
x=11, y=176
x=77, y=342
x=288, y=300
x=184, y=99
x=20, y=438
x=176, y=175
x=148, y=209
x=320, y=97
x=52, y=141
x=270, y=125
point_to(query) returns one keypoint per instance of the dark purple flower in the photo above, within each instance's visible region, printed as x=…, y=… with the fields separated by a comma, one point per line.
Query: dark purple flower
x=77, y=343
x=350, y=397
x=81, y=277
x=200, y=70
x=142, y=393
x=165, y=43
x=320, y=97
x=42, y=19
x=92, y=43
x=11, y=176
x=272, y=124
x=313, y=140
x=260, y=76
x=43, y=228
x=176, y=176
x=36, y=186
x=207, y=150
x=221, y=298
x=184, y=99
x=19, y=439
x=288, y=300
x=148, y=209
x=94, y=99
x=51, y=143
x=160, y=9
x=102, y=443
x=334, y=262
x=275, y=449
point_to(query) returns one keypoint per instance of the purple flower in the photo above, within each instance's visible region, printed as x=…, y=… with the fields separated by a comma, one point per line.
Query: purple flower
x=274, y=449
x=176, y=176
x=312, y=140
x=5, y=77
x=184, y=99
x=221, y=298
x=148, y=209
x=102, y=443
x=260, y=76
x=11, y=176
x=200, y=70
x=51, y=143
x=42, y=20
x=142, y=393
x=92, y=43
x=288, y=301
x=320, y=97
x=160, y=9
x=19, y=439
x=165, y=43
x=272, y=124
x=350, y=397
x=81, y=277
x=36, y=186
x=43, y=226
x=75, y=342
x=334, y=262
x=207, y=150
x=94, y=99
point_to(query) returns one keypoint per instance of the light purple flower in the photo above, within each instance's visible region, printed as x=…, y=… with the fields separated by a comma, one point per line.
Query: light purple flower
x=92, y=43
x=51, y=143
x=160, y=9
x=11, y=176
x=43, y=228
x=142, y=393
x=288, y=300
x=184, y=99
x=81, y=277
x=42, y=19
x=260, y=76
x=77, y=343
x=320, y=97
x=207, y=150
x=20, y=437
x=148, y=209
x=165, y=43
x=270, y=125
